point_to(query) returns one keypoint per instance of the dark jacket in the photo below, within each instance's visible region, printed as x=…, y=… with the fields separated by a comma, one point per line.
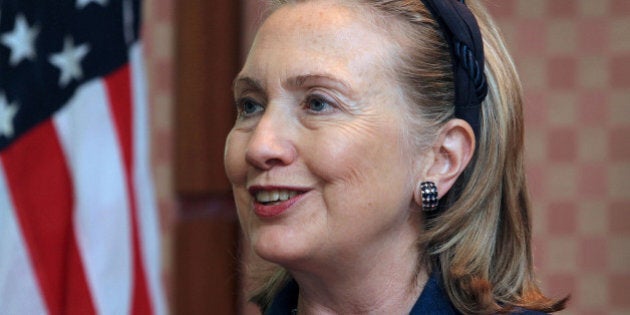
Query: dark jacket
x=432, y=301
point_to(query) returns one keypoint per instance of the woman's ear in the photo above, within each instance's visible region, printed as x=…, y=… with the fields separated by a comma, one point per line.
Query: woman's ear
x=452, y=152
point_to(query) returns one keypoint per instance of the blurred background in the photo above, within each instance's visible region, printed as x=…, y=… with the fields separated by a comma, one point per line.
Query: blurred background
x=574, y=61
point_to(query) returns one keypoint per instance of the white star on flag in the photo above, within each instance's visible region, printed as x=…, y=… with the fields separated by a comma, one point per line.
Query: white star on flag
x=69, y=61
x=83, y=3
x=21, y=41
x=7, y=113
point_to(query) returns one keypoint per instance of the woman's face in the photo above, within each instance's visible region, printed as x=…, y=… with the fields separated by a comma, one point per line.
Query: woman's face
x=317, y=159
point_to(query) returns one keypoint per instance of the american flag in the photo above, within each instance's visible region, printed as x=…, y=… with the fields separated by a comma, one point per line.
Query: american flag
x=78, y=223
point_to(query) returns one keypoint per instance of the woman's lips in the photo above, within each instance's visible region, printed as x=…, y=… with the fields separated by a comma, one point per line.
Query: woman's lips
x=273, y=201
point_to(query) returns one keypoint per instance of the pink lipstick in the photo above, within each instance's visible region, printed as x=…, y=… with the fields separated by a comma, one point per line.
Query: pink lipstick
x=273, y=201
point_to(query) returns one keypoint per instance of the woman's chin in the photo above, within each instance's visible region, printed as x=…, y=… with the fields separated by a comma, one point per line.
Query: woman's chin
x=280, y=249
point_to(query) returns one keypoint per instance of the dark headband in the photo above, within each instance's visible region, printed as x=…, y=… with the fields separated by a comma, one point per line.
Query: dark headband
x=461, y=32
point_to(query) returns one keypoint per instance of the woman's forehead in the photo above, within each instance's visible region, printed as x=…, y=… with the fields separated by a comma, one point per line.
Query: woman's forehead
x=319, y=37
x=324, y=23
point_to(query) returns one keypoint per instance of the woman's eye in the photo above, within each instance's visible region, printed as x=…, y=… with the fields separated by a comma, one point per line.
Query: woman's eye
x=248, y=107
x=318, y=104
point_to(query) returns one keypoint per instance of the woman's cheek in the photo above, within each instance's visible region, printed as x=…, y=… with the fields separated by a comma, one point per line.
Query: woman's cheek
x=344, y=154
x=242, y=200
x=234, y=158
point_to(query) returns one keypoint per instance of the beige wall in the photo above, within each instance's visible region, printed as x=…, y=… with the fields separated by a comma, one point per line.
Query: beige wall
x=159, y=51
x=574, y=60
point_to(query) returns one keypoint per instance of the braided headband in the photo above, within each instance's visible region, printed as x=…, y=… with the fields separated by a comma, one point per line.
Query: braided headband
x=461, y=31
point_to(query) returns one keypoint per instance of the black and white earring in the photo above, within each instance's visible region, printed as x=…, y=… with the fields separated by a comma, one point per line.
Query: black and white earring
x=429, y=196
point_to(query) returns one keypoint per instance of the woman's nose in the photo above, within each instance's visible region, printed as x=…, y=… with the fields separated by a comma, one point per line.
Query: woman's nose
x=271, y=143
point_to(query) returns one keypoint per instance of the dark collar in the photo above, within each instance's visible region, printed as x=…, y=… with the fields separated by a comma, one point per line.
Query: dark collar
x=433, y=300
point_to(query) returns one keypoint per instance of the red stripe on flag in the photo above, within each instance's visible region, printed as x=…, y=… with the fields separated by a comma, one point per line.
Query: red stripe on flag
x=41, y=189
x=119, y=90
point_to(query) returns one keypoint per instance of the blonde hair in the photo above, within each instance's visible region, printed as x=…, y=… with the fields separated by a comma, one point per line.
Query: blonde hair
x=481, y=240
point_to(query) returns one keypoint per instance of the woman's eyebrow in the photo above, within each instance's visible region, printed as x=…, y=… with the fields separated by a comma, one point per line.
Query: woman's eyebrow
x=319, y=79
x=247, y=83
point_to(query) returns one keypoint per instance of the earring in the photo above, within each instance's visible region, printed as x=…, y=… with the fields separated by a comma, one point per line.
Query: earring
x=429, y=196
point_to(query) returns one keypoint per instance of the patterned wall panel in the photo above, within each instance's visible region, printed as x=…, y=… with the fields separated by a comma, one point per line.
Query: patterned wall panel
x=574, y=60
x=158, y=46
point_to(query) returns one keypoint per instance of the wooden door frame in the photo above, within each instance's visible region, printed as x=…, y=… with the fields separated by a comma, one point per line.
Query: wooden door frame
x=205, y=277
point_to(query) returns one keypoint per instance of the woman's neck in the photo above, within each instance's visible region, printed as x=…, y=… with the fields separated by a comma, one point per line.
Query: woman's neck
x=383, y=281
x=392, y=298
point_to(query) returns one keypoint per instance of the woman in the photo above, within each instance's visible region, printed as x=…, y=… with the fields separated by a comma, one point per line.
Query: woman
x=354, y=118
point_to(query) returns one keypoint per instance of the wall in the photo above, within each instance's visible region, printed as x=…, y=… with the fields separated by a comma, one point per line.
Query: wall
x=574, y=60
x=574, y=57
x=159, y=51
